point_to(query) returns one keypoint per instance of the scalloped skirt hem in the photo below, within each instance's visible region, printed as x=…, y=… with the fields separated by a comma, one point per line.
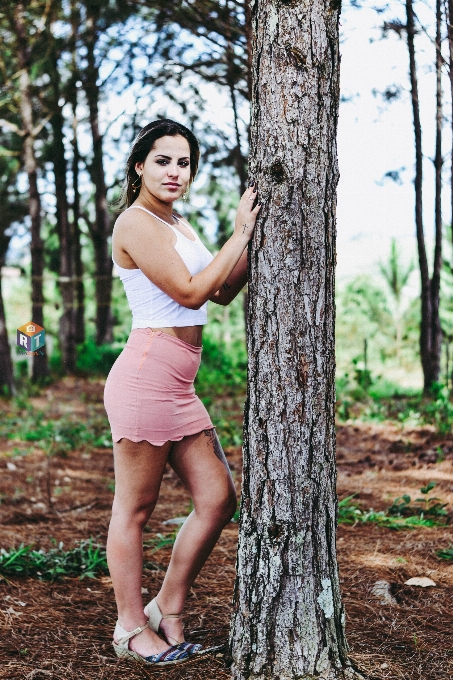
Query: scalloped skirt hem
x=156, y=442
x=149, y=393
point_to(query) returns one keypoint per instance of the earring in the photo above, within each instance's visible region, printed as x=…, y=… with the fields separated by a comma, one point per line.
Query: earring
x=139, y=180
x=185, y=195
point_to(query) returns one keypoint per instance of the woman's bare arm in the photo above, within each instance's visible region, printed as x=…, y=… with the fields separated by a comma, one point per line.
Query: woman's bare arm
x=234, y=283
x=149, y=245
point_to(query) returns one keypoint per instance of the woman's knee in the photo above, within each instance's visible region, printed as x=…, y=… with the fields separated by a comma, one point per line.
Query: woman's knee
x=219, y=507
x=133, y=513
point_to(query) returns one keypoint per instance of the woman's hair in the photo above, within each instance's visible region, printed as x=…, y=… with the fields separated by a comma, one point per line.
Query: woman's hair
x=143, y=144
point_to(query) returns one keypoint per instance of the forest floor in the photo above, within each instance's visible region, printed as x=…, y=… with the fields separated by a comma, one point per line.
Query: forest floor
x=63, y=629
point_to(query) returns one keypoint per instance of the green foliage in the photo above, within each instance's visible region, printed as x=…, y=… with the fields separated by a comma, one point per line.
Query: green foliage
x=161, y=541
x=223, y=370
x=427, y=512
x=395, y=273
x=424, y=507
x=86, y=560
x=95, y=359
x=383, y=400
x=446, y=553
x=55, y=436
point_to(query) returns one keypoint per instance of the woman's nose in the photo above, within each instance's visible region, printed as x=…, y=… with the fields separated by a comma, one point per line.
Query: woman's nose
x=173, y=170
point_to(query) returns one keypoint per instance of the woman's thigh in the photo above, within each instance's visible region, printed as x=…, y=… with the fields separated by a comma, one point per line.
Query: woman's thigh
x=200, y=463
x=139, y=468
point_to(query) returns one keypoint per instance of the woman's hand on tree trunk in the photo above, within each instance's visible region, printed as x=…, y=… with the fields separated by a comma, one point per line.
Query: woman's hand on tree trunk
x=246, y=214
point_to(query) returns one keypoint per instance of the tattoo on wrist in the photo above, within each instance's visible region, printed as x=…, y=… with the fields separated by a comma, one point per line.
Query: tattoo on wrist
x=244, y=228
x=226, y=286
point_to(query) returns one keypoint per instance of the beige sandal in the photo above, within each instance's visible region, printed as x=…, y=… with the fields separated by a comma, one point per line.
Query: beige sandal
x=155, y=616
x=173, y=655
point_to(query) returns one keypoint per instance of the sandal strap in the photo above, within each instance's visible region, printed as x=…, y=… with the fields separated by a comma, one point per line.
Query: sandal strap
x=124, y=635
x=171, y=616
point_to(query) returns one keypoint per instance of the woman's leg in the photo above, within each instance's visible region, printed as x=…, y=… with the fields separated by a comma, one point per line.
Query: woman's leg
x=138, y=474
x=201, y=465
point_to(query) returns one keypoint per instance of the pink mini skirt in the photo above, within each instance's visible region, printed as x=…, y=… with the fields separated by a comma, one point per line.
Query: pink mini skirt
x=149, y=393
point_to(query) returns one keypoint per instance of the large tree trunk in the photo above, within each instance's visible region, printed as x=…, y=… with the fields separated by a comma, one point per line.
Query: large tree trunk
x=101, y=227
x=288, y=620
x=40, y=364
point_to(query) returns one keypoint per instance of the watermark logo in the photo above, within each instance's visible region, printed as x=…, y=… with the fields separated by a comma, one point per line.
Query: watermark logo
x=30, y=338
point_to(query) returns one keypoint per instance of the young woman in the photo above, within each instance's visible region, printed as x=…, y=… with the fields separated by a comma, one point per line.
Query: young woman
x=154, y=413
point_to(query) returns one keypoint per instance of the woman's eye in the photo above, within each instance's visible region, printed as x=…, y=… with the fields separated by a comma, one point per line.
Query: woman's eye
x=184, y=164
x=162, y=161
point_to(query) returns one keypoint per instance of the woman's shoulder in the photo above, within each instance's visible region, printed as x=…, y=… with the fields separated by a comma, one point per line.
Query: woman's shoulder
x=135, y=218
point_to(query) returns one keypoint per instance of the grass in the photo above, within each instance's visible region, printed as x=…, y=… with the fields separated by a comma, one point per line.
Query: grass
x=427, y=512
x=446, y=553
x=62, y=435
x=379, y=400
x=86, y=560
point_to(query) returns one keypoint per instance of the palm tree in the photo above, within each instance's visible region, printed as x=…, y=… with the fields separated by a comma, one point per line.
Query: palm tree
x=396, y=276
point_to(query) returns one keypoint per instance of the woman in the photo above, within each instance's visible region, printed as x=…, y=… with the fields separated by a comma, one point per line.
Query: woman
x=154, y=413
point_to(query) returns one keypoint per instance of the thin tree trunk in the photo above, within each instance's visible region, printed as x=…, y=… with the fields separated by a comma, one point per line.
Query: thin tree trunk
x=40, y=364
x=436, y=347
x=101, y=232
x=6, y=365
x=288, y=620
x=78, y=263
x=66, y=278
x=240, y=160
x=426, y=339
x=449, y=17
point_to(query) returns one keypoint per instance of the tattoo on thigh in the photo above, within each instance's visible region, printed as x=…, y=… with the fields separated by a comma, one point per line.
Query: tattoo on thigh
x=217, y=446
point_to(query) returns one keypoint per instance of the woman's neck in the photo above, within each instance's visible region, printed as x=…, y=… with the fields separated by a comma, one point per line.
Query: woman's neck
x=153, y=204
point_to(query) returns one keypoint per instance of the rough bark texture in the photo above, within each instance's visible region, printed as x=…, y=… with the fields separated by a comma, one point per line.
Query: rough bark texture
x=288, y=620
x=40, y=364
x=430, y=332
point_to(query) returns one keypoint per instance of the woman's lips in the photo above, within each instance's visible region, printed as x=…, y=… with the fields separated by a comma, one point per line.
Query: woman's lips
x=171, y=186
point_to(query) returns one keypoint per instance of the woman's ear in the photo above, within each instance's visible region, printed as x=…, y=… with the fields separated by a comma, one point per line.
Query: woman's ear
x=139, y=168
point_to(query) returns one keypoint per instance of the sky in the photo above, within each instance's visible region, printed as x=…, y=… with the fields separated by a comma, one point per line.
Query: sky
x=374, y=139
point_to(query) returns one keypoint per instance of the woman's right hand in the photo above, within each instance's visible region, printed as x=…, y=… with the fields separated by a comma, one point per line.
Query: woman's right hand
x=246, y=214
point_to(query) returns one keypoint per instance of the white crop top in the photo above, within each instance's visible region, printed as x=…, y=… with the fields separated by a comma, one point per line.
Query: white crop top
x=150, y=306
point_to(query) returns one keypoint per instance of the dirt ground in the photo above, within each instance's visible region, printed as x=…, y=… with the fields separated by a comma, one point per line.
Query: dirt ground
x=64, y=629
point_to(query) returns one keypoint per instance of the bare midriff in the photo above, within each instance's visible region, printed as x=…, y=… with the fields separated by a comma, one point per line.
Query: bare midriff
x=190, y=334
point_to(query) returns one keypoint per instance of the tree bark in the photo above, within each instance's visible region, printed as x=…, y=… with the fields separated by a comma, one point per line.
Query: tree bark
x=66, y=279
x=430, y=332
x=288, y=619
x=7, y=386
x=101, y=228
x=449, y=17
x=40, y=364
x=438, y=163
x=78, y=263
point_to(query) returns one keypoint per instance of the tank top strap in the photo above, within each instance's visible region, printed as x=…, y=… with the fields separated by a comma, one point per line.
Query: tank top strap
x=140, y=207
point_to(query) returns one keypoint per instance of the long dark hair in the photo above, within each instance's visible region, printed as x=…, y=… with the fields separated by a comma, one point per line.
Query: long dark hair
x=143, y=144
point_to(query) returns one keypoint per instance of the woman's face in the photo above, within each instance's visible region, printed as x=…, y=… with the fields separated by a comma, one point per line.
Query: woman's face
x=166, y=169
